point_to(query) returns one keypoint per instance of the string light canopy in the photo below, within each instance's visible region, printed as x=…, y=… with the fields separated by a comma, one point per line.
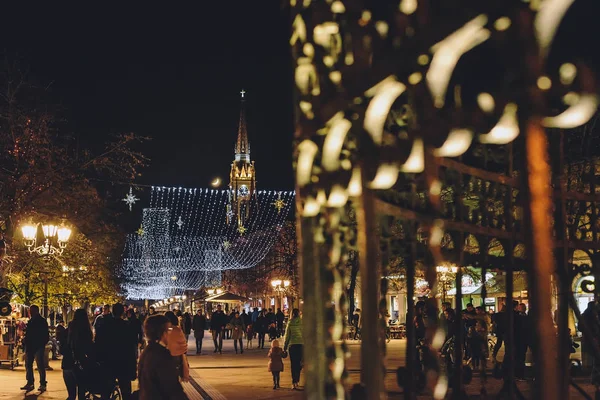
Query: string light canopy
x=185, y=234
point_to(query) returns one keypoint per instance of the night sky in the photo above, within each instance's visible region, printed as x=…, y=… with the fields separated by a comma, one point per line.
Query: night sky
x=171, y=73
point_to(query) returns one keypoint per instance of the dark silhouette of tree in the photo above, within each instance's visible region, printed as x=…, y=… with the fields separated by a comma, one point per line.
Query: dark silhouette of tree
x=46, y=175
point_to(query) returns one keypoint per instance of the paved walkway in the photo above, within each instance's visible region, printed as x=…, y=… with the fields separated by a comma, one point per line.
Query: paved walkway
x=245, y=376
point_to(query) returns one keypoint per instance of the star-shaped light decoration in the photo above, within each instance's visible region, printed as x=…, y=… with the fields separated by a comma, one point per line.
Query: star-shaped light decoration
x=177, y=249
x=140, y=231
x=279, y=203
x=242, y=229
x=226, y=244
x=179, y=223
x=130, y=198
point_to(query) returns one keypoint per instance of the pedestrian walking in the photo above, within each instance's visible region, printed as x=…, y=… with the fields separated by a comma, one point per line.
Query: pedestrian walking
x=500, y=322
x=279, y=317
x=522, y=332
x=237, y=331
x=158, y=375
x=136, y=329
x=36, y=338
x=294, y=341
x=260, y=327
x=443, y=321
x=102, y=318
x=275, y=362
x=117, y=350
x=592, y=321
x=479, y=338
x=228, y=325
x=199, y=326
x=77, y=349
x=270, y=316
x=254, y=315
x=218, y=320
x=60, y=332
x=246, y=318
x=177, y=346
x=186, y=325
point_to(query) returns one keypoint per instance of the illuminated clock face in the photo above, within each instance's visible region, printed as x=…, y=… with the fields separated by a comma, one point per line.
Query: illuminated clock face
x=243, y=191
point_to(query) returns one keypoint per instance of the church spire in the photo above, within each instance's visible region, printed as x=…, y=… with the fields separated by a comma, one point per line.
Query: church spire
x=242, y=146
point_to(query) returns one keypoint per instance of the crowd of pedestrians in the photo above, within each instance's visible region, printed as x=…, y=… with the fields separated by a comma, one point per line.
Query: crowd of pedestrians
x=120, y=346
x=477, y=326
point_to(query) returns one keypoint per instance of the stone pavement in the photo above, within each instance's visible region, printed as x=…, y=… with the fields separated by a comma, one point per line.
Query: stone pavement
x=245, y=376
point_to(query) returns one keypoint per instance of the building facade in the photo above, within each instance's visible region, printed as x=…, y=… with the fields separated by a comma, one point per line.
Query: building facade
x=242, y=178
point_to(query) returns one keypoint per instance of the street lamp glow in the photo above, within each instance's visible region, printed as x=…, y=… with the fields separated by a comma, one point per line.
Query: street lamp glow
x=211, y=291
x=276, y=282
x=49, y=230
x=286, y=283
x=29, y=231
x=64, y=234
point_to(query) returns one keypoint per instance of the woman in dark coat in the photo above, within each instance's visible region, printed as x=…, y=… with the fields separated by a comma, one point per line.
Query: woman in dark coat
x=158, y=374
x=237, y=331
x=186, y=324
x=260, y=326
x=76, y=349
x=199, y=326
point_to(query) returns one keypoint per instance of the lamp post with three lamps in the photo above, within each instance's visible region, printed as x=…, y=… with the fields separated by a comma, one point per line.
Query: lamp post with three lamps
x=54, y=243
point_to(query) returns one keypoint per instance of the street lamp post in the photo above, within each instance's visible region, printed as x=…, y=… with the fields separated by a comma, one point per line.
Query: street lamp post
x=54, y=243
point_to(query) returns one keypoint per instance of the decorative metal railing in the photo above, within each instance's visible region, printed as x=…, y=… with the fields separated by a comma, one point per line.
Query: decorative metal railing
x=433, y=114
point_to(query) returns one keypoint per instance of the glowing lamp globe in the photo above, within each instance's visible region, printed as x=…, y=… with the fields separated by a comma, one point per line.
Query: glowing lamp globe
x=49, y=230
x=63, y=233
x=29, y=231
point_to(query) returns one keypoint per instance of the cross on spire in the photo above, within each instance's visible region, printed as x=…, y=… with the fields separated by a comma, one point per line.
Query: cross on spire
x=243, y=92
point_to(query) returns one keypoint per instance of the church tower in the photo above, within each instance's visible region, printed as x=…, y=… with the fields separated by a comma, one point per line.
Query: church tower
x=242, y=178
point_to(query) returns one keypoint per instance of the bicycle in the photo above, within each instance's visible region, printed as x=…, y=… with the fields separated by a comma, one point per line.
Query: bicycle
x=99, y=381
x=115, y=394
